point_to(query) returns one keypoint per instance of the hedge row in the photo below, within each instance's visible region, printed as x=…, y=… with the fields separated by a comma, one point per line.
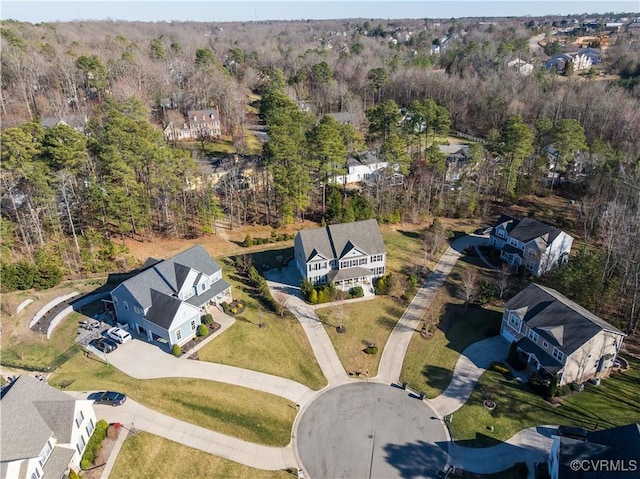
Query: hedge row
x=94, y=444
x=250, y=241
x=263, y=289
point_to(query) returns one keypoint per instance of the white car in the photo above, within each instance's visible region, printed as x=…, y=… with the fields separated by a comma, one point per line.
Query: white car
x=119, y=335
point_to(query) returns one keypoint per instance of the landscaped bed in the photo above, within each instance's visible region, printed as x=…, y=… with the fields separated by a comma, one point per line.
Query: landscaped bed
x=613, y=403
x=233, y=410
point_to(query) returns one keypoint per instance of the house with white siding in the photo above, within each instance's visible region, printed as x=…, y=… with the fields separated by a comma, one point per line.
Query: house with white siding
x=348, y=254
x=165, y=301
x=557, y=335
x=44, y=431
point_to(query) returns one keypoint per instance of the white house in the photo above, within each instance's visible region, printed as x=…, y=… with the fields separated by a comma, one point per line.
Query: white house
x=349, y=254
x=523, y=68
x=200, y=124
x=559, y=336
x=457, y=160
x=165, y=301
x=44, y=431
x=529, y=243
x=361, y=168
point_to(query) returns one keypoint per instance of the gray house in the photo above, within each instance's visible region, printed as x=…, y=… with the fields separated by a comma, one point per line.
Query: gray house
x=349, y=254
x=165, y=301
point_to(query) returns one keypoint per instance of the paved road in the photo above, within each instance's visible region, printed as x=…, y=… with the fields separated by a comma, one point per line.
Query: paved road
x=398, y=342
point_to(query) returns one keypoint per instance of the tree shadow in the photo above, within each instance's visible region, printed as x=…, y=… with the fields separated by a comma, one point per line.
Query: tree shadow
x=410, y=234
x=416, y=459
x=479, y=441
x=386, y=322
x=437, y=377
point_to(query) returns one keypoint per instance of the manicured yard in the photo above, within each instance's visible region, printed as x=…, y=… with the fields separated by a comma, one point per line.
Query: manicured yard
x=146, y=456
x=613, y=403
x=404, y=247
x=280, y=347
x=367, y=321
x=236, y=411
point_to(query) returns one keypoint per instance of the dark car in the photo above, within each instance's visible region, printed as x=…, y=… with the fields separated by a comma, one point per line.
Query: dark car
x=573, y=432
x=110, y=398
x=485, y=230
x=102, y=345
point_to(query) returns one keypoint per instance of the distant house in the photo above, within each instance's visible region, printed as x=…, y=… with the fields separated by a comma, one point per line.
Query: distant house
x=44, y=431
x=199, y=124
x=348, y=254
x=457, y=160
x=614, y=452
x=166, y=300
x=536, y=246
x=582, y=60
x=77, y=122
x=361, y=168
x=523, y=68
x=559, y=336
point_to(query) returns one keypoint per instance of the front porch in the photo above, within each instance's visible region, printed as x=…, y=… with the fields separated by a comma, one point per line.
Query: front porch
x=345, y=279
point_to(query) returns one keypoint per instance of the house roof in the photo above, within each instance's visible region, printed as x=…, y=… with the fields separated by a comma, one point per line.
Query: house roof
x=616, y=445
x=348, y=273
x=58, y=462
x=31, y=411
x=209, y=114
x=547, y=361
x=163, y=309
x=334, y=241
x=216, y=288
x=527, y=229
x=557, y=319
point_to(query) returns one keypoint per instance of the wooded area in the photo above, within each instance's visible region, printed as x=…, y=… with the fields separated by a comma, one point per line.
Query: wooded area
x=69, y=197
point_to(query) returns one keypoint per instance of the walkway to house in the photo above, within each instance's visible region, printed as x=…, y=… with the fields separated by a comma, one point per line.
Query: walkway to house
x=398, y=342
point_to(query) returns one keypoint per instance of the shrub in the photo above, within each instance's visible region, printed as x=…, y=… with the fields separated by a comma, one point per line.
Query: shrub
x=357, y=291
x=313, y=296
x=574, y=386
x=563, y=391
x=553, y=386
x=371, y=349
x=381, y=286
x=234, y=310
x=73, y=475
x=202, y=330
x=306, y=288
x=413, y=280
x=176, y=350
x=500, y=367
x=248, y=241
x=207, y=319
x=225, y=307
x=94, y=444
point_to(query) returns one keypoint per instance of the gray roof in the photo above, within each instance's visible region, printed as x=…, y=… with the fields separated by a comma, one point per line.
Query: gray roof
x=527, y=229
x=557, y=319
x=30, y=412
x=216, y=288
x=547, y=361
x=58, y=463
x=337, y=275
x=163, y=309
x=334, y=241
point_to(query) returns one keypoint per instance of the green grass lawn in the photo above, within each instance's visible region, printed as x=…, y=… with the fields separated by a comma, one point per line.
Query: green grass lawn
x=613, y=403
x=146, y=456
x=281, y=348
x=233, y=410
x=404, y=247
x=366, y=321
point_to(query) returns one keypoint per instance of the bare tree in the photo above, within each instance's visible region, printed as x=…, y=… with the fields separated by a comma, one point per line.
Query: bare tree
x=503, y=281
x=468, y=289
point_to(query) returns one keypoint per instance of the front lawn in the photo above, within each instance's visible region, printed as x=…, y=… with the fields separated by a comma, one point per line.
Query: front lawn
x=429, y=363
x=613, y=403
x=365, y=322
x=233, y=410
x=145, y=456
x=262, y=341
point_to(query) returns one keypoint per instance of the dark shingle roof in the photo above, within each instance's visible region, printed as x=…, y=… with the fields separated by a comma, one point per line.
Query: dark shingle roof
x=216, y=288
x=30, y=412
x=334, y=241
x=556, y=318
x=163, y=309
x=528, y=229
x=547, y=361
x=349, y=273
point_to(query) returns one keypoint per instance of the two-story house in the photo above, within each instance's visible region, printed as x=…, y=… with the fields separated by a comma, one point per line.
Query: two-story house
x=165, y=301
x=199, y=124
x=559, y=336
x=44, y=431
x=536, y=246
x=348, y=254
x=361, y=168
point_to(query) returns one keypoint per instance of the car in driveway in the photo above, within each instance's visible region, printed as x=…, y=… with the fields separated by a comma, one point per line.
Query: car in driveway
x=110, y=398
x=119, y=335
x=102, y=345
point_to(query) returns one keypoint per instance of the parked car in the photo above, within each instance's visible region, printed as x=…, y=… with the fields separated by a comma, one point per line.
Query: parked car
x=485, y=230
x=573, y=432
x=110, y=398
x=119, y=335
x=103, y=346
x=110, y=342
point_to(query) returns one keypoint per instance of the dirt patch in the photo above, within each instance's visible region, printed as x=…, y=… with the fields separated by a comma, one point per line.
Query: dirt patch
x=103, y=455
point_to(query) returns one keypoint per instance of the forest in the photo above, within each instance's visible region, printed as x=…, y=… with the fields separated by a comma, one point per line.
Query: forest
x=71, y=196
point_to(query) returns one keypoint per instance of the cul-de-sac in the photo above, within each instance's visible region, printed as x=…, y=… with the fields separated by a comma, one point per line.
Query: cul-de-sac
x=386, y=240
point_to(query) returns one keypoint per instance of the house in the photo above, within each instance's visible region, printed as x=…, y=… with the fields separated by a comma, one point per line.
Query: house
x=361, y=168
x=44, y=431
x=557, y=335
x=536, y=246
x=77, y=122
x=348, y=254
x=199, y=124
x=581, y=61
x=614, y=452
x=165, y=301
x=457, y=160
x=523, y=68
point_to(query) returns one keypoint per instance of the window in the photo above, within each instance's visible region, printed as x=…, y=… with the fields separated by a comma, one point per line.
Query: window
x=559, y=355
x=193, y=325
x=362, y=261
x=514, y=321
x=376, y=258
x=44, y=454
x=178, y=335
x=533, y=336
x=545, y=344
x=115, y=300
x=79, y=418
x=126, y=305
x=202, y=286
x=137, y=309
